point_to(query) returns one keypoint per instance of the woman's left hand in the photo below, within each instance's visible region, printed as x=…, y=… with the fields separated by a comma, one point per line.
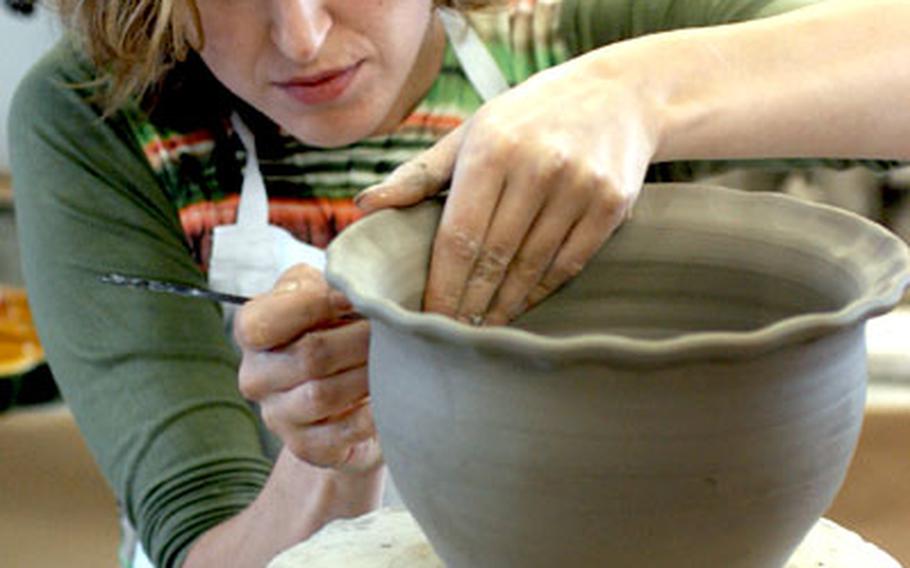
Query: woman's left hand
x=540, y=177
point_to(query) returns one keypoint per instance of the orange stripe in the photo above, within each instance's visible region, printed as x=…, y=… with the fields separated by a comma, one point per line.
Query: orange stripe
x=201, y=217
x=313, y=220
x=436, y=121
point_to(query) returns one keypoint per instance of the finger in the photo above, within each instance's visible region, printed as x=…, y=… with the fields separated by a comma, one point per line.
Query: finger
x=315, y=400
x=332, y=443
x=316, y=354
x=477, y=185
x=300, y=300
x=530, y=264
x=526, y=192
x=581, y=245
x=417, y=179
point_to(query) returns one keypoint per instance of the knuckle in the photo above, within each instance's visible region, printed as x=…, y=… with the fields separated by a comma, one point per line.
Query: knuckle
x=599, y=179
x=316, y=397
x=492, y=140
x=269, y=418
x=555, y=161
x=561, y=271
x=315, y=354
x=526, y=268
x=506, y=143
x=492, y=263
x=359, y=428
x=249, y=381
x=611, y=204
x=461, y=244
x=248, y=389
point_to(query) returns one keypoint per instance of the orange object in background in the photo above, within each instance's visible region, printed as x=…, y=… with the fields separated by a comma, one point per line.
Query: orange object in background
x=15, y=316
x=20, y=350
x=24, y=376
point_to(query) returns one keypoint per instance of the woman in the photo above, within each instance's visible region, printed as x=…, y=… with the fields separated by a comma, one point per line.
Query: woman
x=207, y=139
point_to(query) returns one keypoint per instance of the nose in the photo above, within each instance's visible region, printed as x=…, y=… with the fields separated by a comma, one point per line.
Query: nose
x=300, y=28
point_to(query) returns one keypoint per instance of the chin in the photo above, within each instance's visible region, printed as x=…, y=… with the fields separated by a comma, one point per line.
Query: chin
x=329, y=133
x=342, y=125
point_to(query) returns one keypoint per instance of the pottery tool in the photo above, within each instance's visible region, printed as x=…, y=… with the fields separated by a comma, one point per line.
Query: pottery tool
x=171, y=288
x=187, y=291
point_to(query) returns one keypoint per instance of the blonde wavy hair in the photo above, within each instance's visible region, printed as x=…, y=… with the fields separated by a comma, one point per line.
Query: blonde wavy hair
x=135, y=43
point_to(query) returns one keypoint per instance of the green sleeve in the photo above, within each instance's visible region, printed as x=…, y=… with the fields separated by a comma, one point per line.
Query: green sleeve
x=588, y=24
x=150, y=378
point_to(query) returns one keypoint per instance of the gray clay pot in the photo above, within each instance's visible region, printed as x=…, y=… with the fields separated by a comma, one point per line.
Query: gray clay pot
x=693, y=398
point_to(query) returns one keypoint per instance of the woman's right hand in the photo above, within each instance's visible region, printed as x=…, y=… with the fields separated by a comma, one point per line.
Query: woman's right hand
x=305, y=363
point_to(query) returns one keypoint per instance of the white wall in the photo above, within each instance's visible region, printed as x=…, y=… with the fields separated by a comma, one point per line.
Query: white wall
x=22, y=41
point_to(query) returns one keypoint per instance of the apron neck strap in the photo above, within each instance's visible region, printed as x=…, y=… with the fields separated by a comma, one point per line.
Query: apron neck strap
x=476, y=61
x=254, y=203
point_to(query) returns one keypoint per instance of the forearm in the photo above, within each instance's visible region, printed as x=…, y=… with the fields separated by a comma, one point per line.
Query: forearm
x=826, y=81
x=297, y=500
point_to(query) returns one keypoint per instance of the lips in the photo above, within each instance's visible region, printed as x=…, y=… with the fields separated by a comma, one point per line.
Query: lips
x=320, y=88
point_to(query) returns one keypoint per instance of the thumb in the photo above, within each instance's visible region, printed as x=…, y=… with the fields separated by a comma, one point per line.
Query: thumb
x=417, y=179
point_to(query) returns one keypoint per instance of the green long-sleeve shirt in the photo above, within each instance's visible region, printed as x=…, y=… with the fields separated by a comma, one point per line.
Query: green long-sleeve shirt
x=151, y=378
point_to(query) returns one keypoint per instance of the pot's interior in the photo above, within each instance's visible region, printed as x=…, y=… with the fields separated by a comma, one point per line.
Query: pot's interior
x=655, y=283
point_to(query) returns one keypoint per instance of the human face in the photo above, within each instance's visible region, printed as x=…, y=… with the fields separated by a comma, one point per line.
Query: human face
x=330, y=72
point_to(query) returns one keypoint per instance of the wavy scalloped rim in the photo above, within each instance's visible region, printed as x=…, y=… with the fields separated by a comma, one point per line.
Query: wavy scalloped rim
x=620, y=350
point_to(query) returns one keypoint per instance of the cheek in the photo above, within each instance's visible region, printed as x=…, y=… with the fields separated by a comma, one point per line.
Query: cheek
x=233, y=65
x=414, y=16
x=231, y=34
x=224, y=68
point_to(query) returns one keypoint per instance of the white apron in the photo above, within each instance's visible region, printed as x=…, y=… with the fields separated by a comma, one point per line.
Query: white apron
x=249, y=256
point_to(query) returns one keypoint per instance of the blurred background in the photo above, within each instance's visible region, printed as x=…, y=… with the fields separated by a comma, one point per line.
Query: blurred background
x=56, y=510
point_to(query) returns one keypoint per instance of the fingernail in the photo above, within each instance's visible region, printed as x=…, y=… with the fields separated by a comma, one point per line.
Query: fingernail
x=362, y=199
x=360, y=196
x=289, y=285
